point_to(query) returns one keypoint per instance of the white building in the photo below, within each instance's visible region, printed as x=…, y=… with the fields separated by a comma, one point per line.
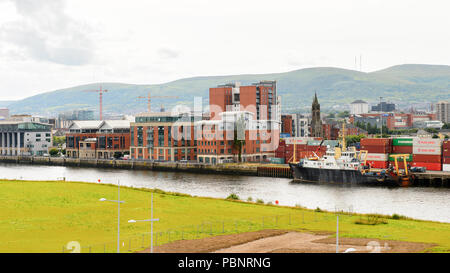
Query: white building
x=300, y=125
x=443, y=111
x=359, y=107
x=25, y=138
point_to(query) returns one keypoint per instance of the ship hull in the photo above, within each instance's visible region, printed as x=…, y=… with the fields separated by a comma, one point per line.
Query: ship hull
x=333, y=176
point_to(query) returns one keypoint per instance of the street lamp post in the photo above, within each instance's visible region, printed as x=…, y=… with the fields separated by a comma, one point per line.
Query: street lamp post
x=118, y=213
x=151, y=220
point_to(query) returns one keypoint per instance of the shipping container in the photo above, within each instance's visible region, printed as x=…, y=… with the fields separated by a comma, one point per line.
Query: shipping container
x=402, y=149
x=402, y=142
x=427, y=142
x=376, y=157
x=446, y=167
x=276, y=160
x=446, y=160
x=427, y=150
x=376, y=141
x=377, y=149
x=408, y=158
x=314, y=142
x=400, y=164
x=297, y=140
x=377, y=164
x=428, y=166
x=446, y=148
x=331, y=143
x=427, y=158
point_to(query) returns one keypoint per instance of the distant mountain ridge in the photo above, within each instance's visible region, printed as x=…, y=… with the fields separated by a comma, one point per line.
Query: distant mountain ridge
x=407, y=83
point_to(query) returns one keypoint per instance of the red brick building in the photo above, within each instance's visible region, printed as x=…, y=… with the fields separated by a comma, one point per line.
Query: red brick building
x=286, y=124
x=97, y=139
x=259, y=98
x=216, y=138
x=163, y=136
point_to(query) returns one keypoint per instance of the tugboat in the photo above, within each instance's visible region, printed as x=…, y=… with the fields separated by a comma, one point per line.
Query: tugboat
x=338, y=165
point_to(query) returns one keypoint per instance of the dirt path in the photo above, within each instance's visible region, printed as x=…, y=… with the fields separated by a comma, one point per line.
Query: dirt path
x=213, y=243
x=283, y=241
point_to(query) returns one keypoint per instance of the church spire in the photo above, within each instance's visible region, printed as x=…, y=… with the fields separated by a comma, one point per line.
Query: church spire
x=315, y=101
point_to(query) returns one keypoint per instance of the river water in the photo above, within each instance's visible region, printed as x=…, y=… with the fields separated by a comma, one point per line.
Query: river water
x=425, y=203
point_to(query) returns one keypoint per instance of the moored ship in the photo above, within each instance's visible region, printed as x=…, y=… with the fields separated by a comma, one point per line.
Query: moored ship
x=343, y=165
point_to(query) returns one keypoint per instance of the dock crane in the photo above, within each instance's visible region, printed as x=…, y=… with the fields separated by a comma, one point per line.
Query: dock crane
x=403, y=178
x=149, y=98
x=100, y=92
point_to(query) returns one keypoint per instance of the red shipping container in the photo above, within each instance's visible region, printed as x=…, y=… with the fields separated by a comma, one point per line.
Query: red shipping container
x=377, y=164
x=427, y=158
x=302, y=147
x=373, y=149
x=402, y=149
x=428, y=166
x=401, y=165
x=446, y=160
x=446, y=148
x=376, y=141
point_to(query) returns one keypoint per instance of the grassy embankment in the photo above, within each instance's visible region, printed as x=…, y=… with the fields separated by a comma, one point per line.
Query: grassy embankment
x=44, y=216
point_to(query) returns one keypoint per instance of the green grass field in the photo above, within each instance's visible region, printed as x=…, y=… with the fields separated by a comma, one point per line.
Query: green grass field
x=45, y=216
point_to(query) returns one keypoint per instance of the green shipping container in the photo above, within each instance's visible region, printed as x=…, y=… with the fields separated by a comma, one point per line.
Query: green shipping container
x=408, y=159
x=276, y=160
x=314, y=142
x=402, y=142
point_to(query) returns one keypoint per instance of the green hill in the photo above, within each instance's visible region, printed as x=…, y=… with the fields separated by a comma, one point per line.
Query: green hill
x=412, y=83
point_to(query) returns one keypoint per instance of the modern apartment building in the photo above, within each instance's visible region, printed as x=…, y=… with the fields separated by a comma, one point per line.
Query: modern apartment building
x=443, y=111
x=98, y=139
x=219, y=140
x=163, y=136
x=259, y=98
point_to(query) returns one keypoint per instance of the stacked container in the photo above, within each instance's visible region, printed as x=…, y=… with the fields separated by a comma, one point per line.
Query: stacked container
x=378, y=150
x=401, y=146
x=427, y=152
x=446, y=156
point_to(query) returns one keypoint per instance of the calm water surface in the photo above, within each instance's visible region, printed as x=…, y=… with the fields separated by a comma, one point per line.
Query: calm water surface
x=417, y=202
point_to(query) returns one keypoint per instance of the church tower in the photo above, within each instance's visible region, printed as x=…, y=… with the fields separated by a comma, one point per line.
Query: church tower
x=316, y=122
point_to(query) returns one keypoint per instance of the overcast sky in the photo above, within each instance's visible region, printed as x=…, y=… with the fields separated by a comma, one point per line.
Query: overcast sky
x=52, y=44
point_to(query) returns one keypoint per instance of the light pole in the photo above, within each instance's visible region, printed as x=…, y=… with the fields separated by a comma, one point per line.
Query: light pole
x=118, y=213
x=337, y=233
x=151, y=220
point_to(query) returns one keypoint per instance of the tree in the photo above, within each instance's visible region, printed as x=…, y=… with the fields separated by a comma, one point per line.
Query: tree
x=344, y=114
x=53, y=152
x=57, y=140
x=118, y=155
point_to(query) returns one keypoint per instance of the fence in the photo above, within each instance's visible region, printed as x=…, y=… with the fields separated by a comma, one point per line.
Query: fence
x=299, y=219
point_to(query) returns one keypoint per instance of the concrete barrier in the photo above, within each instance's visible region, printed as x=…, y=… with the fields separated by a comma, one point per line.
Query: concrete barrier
x=134, y=165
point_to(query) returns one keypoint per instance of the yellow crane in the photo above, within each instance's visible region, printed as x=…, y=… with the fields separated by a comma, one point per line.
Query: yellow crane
x=149, y=98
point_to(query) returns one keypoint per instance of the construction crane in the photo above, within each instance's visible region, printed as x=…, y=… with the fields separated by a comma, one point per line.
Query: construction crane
x=100, y=92
x=149, y=98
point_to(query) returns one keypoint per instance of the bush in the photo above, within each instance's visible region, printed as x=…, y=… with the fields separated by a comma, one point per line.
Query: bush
x=372, y=219
x=318, y=210
x=259, y=201
x=398, y=217
x=250, y=199
x=233, y=196
x=53, y=152
x=269, y=203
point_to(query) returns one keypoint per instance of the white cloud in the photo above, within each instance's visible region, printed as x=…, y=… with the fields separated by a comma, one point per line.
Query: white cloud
x=51, y=44
x=46, y=33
